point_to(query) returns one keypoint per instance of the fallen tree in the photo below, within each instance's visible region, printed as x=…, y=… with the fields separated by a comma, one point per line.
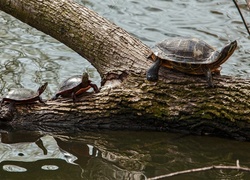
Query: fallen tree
x=177, y=102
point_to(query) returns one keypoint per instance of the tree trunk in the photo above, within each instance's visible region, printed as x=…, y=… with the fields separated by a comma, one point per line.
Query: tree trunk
x=177, y=102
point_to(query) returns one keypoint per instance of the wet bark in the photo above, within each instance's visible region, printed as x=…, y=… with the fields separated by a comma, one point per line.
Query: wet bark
x=177, y=102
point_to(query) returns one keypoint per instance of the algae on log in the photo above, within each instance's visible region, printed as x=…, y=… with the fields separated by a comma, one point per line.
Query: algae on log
x=177, y=102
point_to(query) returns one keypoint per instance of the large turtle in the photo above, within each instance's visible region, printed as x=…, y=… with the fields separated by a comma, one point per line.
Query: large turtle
x=189, y=55
x=75, y=86
x=23, y=96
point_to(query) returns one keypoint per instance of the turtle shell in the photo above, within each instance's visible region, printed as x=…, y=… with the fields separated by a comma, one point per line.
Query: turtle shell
x=73, y=85
x=21, y=94
x=186, y=50
x=190, y=56
x=70, y=83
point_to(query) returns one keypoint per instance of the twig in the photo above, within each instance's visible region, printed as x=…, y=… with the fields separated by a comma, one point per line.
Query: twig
x=248, y=4
x=241, y=16
x=237, y=167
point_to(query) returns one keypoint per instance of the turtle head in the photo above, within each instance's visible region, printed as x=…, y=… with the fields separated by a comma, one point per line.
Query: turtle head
x=227, y=51
x=42, y=88
x=85, y=78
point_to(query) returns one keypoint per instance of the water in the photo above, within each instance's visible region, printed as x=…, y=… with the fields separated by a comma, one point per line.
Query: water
x=117, y=155
x=28, y=58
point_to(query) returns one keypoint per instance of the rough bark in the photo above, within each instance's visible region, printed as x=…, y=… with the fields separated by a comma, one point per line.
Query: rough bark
x=177, y=102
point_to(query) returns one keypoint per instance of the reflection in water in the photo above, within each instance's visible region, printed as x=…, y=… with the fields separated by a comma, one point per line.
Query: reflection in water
x=96, y=164
x=44, y=148
x=118, y=155
x=49, y=167
x=13, y=168
x=101, y=169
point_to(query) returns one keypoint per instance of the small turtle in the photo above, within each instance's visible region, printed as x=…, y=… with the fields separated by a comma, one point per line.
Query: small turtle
x=189, y=55
x=23, y=96
x=75, y=86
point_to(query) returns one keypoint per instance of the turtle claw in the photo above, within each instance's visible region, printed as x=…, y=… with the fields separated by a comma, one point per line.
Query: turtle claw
x=42, y=101
x=54, y=97
x=96, y=89
x=152, y=77
x=211, y=85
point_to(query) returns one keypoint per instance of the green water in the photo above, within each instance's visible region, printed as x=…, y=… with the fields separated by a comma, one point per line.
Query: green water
x=28, y=58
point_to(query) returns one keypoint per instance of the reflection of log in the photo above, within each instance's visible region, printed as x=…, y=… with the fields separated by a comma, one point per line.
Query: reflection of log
x=177, y=102
x=116, y=154
x=150, y=154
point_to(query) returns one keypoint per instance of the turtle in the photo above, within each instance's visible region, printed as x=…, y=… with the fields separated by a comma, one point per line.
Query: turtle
x=23, y=96
x=75, y=86
x=190, y=56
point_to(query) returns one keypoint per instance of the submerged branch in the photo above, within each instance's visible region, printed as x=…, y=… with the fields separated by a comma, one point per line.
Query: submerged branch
x=237, y=167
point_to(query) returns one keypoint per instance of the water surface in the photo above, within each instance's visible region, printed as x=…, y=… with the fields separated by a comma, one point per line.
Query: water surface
x=29, y=57
x=117, y=155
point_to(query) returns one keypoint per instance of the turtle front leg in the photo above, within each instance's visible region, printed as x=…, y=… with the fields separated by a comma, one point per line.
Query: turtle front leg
x=41, y=100
x=152, y=73
x=2, y=102
x=82, y=90
x=209, y=78
x=94, y=86
x=55, y=97
x=12, y=106
x=73, y=95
